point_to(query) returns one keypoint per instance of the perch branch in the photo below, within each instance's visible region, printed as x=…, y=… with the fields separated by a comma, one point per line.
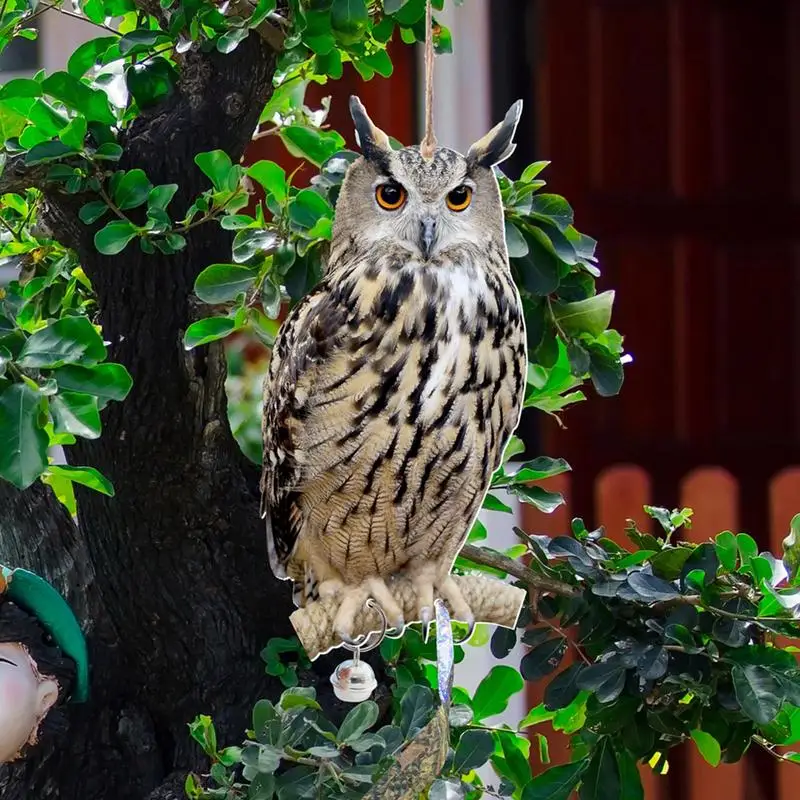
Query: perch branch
x=490, y=599
x=534, y=581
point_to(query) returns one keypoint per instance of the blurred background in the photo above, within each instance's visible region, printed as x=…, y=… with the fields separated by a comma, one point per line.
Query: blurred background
x=673, y=127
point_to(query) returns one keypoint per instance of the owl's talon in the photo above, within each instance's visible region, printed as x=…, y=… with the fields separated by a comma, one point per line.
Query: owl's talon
x=426, y=618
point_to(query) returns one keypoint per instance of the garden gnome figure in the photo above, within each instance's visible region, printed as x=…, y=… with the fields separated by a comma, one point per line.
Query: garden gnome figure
x=43, y=661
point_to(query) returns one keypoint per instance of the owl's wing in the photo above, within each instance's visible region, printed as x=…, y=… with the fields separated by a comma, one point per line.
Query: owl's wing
x=306, y=338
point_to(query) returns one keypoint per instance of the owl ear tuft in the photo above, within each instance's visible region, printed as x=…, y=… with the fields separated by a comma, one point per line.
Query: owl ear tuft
x=497, y=145
x=374, y=143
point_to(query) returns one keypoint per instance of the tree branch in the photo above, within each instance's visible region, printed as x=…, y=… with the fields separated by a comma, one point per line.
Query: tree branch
x=534, y=581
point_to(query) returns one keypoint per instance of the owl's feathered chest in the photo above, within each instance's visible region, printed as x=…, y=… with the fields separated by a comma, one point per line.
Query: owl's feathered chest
x=411, y=384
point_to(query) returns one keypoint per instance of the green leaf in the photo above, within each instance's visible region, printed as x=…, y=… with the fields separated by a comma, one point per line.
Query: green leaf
x=540, y=468
x=221, y=282
x=48, y=151
x=556, y=783
x=74, y=134
x=758, y=692
x=708, y=746
x=748, y=549
x=532, y=170
x=208, y=330
x=76, y=413
x=23, y=443
x=495, y=690
x=104, y=381
x=250, y=242
x=492, y=503
x=271, y=177
x=299, y=697
x=20, y=87
x=114, y=237
x=651, y=588
x=554, y=209
x=536, y=716
x=160, y=196
x=132, y=189
x=473, y=751
x=217, y=165
x=543, y=659
x=92, y=103
x=92, y=211
x=606, y=680
x=630, y=781
x=270, y=298
x=108, y=151
x=704, y=559
x=516, y=750
x=139, y=38
x=307, y=207
x=311, y=144
x=563, y=689
x=231, y=39
x=89, y=54
x=70, y=340
x=539, y=269
x=547, y=502
x=298, y=782
x=605, y=370
x=349, y=20
x=415, y=709
x=358, y=720
x=86, y=476
x=727, y=550
x=266, y=722
x=668, y=563
x=601, y=781
x=592, y=315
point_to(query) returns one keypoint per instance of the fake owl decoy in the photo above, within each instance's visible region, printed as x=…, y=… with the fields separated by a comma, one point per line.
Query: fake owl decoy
x=395, y=385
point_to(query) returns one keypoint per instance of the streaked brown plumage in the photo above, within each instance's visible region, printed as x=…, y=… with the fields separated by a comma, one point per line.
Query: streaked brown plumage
x=395, y=385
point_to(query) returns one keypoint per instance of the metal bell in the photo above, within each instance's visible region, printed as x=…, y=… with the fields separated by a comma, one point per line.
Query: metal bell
x=353, y=680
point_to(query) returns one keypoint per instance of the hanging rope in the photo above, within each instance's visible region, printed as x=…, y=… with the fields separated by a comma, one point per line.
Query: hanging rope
x=428, y=144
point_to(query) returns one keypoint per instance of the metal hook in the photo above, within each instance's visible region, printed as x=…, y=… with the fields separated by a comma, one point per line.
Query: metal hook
x=362, y=643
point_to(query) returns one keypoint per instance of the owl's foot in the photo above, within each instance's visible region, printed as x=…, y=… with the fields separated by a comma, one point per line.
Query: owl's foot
x=423, y=579
x=352, y=599
x=426, y=581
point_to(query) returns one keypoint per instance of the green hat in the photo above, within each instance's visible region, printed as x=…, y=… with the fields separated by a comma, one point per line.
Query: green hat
x=36, y=596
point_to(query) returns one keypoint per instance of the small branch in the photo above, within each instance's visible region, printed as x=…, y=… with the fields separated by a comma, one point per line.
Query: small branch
x=273, y=36
x=535, y=582
x=81, y=17
x=770, y=748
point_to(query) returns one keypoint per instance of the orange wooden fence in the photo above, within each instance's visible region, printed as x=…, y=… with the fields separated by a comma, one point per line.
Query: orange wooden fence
x=620, y=492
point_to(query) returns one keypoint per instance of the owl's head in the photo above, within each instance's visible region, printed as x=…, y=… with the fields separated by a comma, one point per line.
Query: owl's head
x=426, y=205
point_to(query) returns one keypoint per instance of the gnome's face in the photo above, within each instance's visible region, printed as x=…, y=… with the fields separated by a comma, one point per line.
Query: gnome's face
x=25, y=698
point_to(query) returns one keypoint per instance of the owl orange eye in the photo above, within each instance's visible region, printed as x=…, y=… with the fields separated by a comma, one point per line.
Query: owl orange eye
x=390, y=196
x=459, y=198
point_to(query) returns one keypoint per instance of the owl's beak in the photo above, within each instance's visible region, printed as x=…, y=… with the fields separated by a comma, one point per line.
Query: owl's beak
x=427, y=236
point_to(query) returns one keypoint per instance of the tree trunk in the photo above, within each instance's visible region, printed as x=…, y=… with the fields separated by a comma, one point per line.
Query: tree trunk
x=170, y=576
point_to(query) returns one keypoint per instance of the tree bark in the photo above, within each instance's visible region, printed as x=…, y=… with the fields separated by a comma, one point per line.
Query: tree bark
x=169, y=577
